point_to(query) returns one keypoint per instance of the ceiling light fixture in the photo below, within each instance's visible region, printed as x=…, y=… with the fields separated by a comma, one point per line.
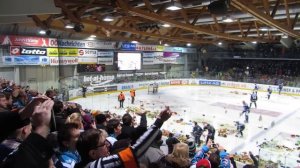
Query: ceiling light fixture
x=254, y=42
x=264, y=29
x=42, y=32
x=166, y=25
x=108, y=19
x=69, y=26
x=135, y=42
x=228, y=19
x=284, y=36
x=188, y=44
x=173, y=6
x=93, y=36
x=220, y=43
x=166, y=44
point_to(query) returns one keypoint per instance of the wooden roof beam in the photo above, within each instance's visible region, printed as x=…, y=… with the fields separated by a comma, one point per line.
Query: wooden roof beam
x=67, y=11
x=125, y=29
x=288, y=18
x=268, y=20
x=156, y=17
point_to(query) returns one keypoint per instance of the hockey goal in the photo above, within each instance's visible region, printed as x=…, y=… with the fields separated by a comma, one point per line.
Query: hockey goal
x=153, y=88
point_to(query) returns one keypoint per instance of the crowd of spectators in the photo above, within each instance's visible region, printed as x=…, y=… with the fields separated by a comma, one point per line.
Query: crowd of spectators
x=38, y=130
x=254, y=71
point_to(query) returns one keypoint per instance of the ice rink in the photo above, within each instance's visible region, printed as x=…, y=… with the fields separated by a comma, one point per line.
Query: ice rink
x=279, y=121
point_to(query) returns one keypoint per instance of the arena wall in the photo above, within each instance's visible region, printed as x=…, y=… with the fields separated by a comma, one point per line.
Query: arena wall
x=75, y=93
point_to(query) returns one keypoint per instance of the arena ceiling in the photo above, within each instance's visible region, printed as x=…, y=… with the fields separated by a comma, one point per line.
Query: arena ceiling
x=150, y=21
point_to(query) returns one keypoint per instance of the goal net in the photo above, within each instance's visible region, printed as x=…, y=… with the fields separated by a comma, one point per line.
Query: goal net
x=152, y=88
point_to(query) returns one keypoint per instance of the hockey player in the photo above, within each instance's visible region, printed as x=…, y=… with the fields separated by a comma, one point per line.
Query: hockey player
x=240, y=128
x=253, y=99
x=280, y=86
x=246, y=111
x=255, y=87
x=269, y=92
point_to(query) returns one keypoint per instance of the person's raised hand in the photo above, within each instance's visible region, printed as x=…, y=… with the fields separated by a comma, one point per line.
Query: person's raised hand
x=165, y=114
x=41, y=117
x=27, y=111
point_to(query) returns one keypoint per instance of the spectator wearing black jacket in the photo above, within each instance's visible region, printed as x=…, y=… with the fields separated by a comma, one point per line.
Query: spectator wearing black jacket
x=35, y=151
x=131, y=132
x=171, y=141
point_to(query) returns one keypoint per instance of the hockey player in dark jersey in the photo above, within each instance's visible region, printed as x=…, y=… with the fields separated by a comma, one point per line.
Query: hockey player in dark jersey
x=240, y=128
x=255, y=87
x=269, y=92
x=253, y=99
x=280, y=86
x=246, y=111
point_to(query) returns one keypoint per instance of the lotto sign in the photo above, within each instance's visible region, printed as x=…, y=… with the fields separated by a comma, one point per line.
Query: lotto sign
x=34, y=51
x=87, y=53
x=52, y=52
x=15, y=50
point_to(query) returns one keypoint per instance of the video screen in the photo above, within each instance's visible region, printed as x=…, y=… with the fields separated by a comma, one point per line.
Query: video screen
x=129, y=61
x=85, y=68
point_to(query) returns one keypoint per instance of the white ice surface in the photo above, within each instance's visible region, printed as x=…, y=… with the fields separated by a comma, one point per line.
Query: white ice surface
x=211, y=103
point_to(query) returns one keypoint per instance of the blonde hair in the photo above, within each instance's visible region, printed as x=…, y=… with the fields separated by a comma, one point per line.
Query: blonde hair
x=181, y=151
x=75, y=118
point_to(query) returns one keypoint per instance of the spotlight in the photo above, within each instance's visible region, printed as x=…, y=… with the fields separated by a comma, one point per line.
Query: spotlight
x=219, y=7
x=220, y=43
x=188, y=44
x=135, y=42
x=48, y=32
x=93, y=36
x=78, y=27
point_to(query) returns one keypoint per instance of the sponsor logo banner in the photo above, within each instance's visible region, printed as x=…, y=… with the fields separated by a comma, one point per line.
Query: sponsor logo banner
x=66, y=52
x=209, y=82
x=85, y=44
x=128, y=46
x=33, y=51
x=52, y=52
x=105, y=53
x=98, y=78
x=87, y=53
x=15, y=50
x=175, y=82
x=63, y=60
x=148, y=48
x=27, y=41
x=105, y=88
x=87, y=60
x=160, y=58
x=105, y=60
x=26, y=60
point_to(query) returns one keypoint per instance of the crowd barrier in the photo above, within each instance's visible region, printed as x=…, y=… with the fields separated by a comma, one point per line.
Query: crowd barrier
x=74, y=93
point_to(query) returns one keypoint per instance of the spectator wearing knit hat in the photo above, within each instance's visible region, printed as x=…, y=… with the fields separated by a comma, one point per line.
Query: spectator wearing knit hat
x=203, y=163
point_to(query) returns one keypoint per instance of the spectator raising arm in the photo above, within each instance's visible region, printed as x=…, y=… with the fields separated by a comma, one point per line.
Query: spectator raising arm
x=35, y=151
